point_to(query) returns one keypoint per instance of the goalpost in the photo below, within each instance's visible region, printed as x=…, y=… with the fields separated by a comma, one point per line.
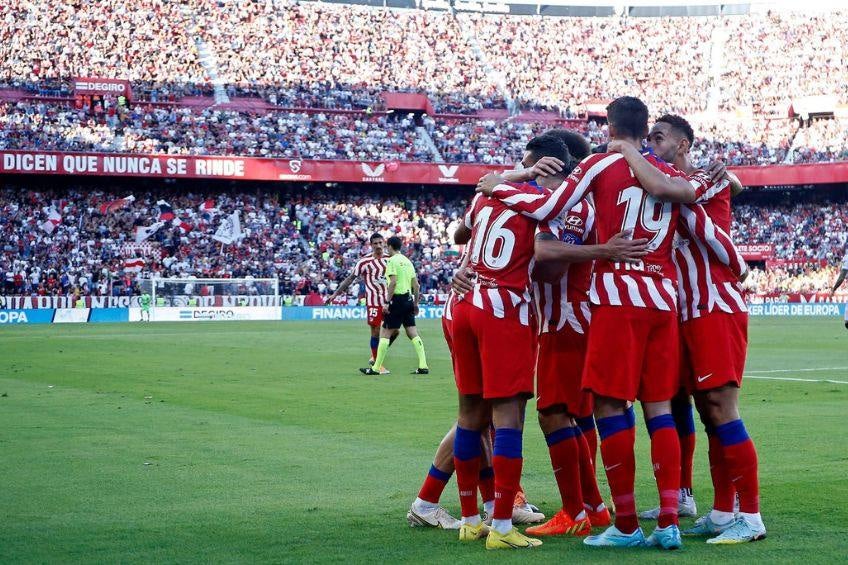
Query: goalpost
x=194, y=299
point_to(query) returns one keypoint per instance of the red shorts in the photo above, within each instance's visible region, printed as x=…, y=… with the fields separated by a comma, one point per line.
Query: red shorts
x=559, y=372
x=446, y=324
x=715, y=348
x=495, y=357
x=633, y=353
x=375, y=316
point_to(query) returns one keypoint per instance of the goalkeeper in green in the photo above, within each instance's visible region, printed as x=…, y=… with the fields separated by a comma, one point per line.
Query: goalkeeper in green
x=144, y=301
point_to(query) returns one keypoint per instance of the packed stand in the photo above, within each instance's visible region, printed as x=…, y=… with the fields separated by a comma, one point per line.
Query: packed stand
x=770, y=59
x=803, y=231
x=143, y=40
x=310, y=241
x=822, y=141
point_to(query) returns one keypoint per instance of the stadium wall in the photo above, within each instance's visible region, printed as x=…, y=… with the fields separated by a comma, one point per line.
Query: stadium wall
x=306, y=313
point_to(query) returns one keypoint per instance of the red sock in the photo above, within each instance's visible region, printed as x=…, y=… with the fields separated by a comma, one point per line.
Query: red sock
x=434, y=485
x=467, y=477
x=687, y=456
x=507, y=462
x=507, y=475
x=565, y=460
x=487, y=484
x=741, y=465
x=724, y=495
x=466, y=460
x=665, y=455
x=588, y=478
x=620, y=465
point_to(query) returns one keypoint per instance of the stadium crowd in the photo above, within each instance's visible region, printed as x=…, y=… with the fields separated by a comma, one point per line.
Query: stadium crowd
x=146, y=128
x=310, y=241
x=312, y=55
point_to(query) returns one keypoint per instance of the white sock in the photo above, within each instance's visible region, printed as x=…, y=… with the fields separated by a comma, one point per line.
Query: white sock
x=472, y=520
x=719, y=517
x=489, y=507
x=502, y=526
x=424, y=505
x=754, y=520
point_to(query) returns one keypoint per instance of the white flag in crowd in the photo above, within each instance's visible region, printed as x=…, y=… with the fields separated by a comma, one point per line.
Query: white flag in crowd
x=142, y=233
x=54, y=218
x=230, y=230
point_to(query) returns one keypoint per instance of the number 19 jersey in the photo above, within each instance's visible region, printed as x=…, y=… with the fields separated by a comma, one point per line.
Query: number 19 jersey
x=621, y=204
x=501, y=254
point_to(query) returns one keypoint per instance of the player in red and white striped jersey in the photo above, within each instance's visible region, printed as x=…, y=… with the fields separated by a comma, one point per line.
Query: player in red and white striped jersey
x=494, y=353
x=714, y=322
x=371, y=270
x=565, y=249
x=634, y=311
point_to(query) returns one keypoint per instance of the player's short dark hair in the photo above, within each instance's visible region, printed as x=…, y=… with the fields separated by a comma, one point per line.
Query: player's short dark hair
x=375, y=235
x=395, y=243
x=679, y=124
x=546, y=145
x=629, y=116
x=577, y=144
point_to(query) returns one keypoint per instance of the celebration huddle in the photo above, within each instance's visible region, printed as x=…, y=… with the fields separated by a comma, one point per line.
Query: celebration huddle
x=654, y=314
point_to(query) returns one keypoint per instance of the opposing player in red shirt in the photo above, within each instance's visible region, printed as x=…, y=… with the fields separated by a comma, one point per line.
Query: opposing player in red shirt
x=371, y=269
x=634, y=311
x=714, y=331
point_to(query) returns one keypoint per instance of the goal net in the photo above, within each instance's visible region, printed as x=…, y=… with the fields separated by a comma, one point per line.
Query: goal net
x=198, y=292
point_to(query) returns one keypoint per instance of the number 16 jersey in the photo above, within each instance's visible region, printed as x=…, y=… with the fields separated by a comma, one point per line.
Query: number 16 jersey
x=501, y=252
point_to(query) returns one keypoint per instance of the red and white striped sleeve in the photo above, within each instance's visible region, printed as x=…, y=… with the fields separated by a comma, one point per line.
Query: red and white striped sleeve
x=468, y=219
x=698, y=224
x=544, y=206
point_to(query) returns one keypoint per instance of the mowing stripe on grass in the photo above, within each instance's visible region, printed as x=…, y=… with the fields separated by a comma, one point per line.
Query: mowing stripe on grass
x=797, y=380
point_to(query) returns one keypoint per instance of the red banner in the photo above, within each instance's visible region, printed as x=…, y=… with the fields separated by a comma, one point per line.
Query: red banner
x=87, y=86
x=253, y=168
x=407, y=101
x=246, y=168
x=759, y=252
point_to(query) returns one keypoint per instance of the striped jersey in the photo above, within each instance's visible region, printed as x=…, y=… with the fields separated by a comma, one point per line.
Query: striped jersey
x=621, y=204
x=372, y=271
x=501, y=254
x=704, y=282
x=562, y=296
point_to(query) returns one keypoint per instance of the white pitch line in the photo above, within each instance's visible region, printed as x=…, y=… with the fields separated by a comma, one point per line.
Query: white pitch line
x=797, y=380
x=802, y=370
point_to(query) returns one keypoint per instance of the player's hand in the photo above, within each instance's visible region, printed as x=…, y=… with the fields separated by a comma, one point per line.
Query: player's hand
x=487, y=184
x=329, y=300
x=617, y=146
x=716, y=171
x=386, y=309
x=463, y=281
x=621, y=248
x=546, y=167
x=415, y=310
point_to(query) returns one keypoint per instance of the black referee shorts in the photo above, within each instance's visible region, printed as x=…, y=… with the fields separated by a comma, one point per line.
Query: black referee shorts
x=401, y=312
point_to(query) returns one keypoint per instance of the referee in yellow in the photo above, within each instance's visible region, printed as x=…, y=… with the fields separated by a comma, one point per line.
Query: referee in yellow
x=402, y=295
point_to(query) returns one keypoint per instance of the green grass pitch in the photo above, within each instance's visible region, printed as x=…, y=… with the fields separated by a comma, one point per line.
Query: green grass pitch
x=260, y=442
